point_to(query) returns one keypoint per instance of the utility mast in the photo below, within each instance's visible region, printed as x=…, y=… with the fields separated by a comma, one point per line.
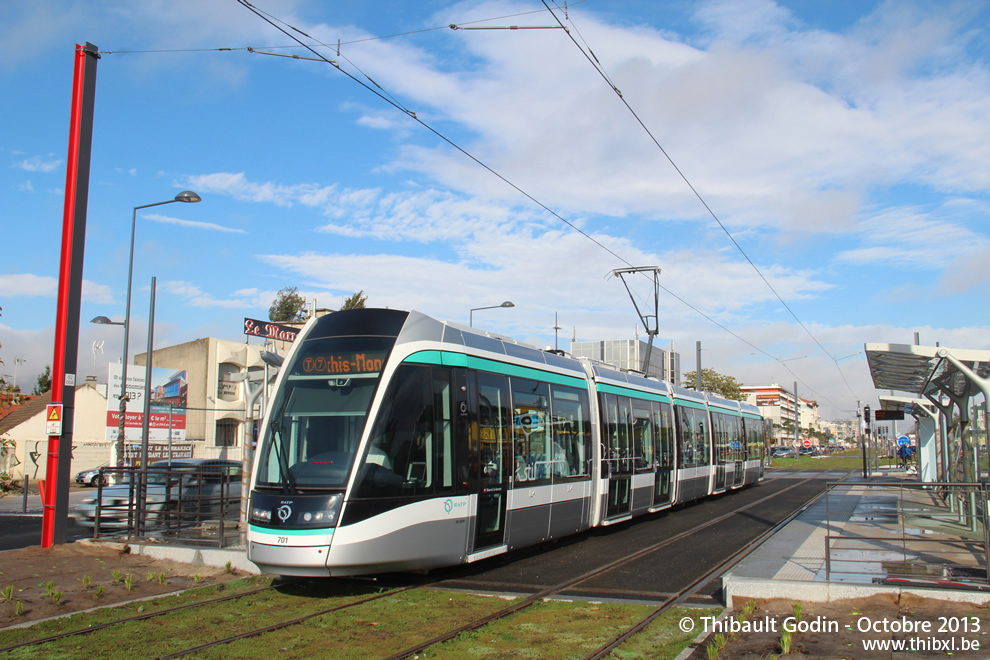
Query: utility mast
x=652, y=329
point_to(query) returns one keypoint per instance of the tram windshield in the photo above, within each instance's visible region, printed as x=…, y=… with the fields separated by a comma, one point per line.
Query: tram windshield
x=320, y=413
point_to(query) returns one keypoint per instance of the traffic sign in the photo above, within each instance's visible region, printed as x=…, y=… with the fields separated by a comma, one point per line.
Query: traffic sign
x=807, y=444
x=53, y=419
x=903, y=441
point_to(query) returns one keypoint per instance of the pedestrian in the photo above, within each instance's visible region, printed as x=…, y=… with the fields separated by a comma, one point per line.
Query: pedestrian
x=904, y=453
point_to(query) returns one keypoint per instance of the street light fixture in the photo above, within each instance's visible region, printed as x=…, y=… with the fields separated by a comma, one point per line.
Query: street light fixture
x=186, y=196
x=471, y=318
x=103, y=320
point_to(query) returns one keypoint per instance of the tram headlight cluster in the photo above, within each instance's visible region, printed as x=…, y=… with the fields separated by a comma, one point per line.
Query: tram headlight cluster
x=298, y=512
x=323, y=516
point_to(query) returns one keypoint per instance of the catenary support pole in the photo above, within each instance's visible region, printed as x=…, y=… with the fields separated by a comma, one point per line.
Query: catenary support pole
x=58, y=464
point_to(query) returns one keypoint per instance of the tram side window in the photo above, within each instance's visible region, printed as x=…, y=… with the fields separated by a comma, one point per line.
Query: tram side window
x=720, y=427
x=642, y=435
x=571, y=431
x=754, y=437
x=664, y=424
x=617, y=413
x=691, y=426
x=410, y=451
x=530, y=422
x=493, y=425
x=738, y=439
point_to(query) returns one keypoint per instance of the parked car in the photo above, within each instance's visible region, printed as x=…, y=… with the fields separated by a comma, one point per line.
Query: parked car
x=91, y=477
x=189, y=485
x=807, y=451
x=782, y=452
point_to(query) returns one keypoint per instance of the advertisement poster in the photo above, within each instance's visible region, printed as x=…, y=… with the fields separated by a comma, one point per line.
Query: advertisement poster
x=168, y=404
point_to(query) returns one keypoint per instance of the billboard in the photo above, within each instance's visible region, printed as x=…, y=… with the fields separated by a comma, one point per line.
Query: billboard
x=169, y=396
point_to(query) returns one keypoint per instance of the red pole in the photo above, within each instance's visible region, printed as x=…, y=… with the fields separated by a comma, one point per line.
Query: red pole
x=57, y=466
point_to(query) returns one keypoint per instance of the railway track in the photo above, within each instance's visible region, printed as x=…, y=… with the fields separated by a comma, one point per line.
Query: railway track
x=391, y=591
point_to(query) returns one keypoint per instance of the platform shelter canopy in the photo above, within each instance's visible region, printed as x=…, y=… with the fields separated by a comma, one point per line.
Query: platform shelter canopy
x=928, y=371
x=908, y=405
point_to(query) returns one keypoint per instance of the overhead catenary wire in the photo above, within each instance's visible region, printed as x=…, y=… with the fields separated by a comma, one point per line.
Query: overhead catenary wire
x=290, y=31
x=380, y=92
x=593, y=60
x=460, y=25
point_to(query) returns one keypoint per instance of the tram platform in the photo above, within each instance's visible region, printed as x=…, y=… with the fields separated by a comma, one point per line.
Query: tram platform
x=883, y=535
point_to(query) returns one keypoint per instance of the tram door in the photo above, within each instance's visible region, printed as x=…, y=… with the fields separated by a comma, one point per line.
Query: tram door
x=720, y=447
x=491, y=445
x=617, y=460
x=663, y=426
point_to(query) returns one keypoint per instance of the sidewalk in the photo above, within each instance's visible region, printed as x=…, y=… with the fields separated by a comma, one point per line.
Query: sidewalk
x=875, y=534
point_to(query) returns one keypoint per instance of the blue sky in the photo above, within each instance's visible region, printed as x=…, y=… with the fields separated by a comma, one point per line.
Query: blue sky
x=844, y=146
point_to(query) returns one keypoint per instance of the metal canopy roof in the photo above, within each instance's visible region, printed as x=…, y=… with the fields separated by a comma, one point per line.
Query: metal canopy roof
x=909, y=405
x=921, y=370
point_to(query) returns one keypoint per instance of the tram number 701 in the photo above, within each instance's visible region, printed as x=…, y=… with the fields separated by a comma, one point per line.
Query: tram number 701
x=283, y=539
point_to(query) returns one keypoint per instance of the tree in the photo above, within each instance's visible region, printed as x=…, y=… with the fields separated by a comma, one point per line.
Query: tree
x=44, y=381
x=10, y=395
x=355, y=302
x=712, y=381
x=289, y=305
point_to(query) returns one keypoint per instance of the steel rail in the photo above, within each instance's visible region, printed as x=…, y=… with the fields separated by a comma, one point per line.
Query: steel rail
x=467, y=627
x=702, y=581
x=286, y=624
x=536, y=597
x=141, y=617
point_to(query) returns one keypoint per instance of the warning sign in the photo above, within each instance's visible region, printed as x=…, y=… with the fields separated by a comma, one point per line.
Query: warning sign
x=53, y=419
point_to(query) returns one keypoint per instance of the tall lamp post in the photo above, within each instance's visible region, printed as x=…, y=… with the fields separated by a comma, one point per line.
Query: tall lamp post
x=471, y=317
x=188, y=197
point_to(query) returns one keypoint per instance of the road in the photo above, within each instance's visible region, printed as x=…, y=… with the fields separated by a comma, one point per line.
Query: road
x=20, y=526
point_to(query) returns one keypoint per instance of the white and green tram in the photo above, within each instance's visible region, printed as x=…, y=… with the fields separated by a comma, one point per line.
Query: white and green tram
x=397, y=442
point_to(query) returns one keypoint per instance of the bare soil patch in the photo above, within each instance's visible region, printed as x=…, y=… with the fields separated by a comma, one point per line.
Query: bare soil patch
x=840, y=631
x=28, y=571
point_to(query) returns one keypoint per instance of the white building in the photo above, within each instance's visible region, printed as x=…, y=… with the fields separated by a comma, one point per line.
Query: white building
x=630, y=354
x=26, y=427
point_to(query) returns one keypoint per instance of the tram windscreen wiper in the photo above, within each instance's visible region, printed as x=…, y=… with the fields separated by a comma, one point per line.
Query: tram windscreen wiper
x=286, y=478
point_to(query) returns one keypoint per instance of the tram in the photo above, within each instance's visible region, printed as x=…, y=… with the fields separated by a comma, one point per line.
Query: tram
x=397, y=442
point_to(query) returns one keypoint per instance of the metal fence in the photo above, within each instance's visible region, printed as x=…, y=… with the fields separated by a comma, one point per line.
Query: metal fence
x=884, y=533
x=186, y=506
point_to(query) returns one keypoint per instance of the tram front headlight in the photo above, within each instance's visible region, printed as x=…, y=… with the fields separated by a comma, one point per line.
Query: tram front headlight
x=261, y=515
x=325, y=515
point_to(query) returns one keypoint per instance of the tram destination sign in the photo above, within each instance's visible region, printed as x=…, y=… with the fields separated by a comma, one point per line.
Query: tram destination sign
x=340, y=362
x=270, y=330
x=888, y=415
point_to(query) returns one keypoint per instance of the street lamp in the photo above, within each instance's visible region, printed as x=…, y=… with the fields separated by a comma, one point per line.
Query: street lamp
x=188, y=197
x=103, y=320
x=505, y=304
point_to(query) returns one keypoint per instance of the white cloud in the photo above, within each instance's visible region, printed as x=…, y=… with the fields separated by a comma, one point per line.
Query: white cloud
x=209, y=226
x=41, y=164
x=912, y=239
x=27, y=284
x=198, y=298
